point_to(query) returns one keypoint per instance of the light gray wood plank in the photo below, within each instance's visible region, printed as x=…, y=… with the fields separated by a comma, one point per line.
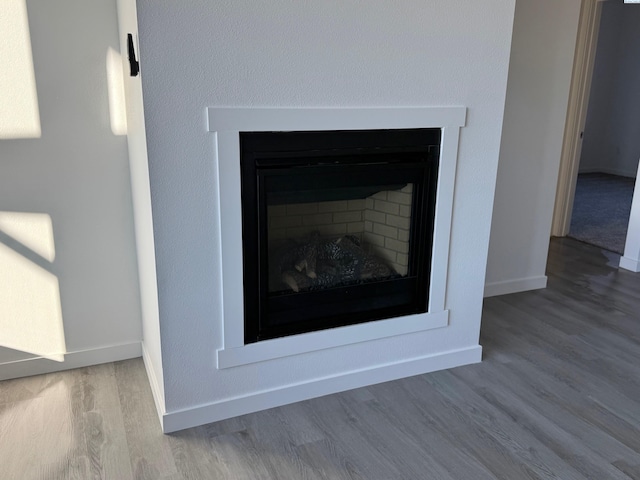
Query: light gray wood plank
x=149, y=450
x=327, y=461
x=104, y=432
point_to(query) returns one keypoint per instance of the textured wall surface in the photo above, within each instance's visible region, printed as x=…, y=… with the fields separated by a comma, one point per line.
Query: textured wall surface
x=307, y=53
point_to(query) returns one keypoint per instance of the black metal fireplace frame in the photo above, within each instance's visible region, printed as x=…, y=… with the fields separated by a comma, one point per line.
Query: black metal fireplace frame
x=323, y=158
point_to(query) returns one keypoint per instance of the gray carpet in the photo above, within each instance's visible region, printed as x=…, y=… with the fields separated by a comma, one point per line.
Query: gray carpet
x=601, y=210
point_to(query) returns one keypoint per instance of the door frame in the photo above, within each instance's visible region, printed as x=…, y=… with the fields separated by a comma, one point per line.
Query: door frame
x=580, y=90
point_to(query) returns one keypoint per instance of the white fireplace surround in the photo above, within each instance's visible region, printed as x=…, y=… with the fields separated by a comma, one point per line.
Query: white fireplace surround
x=227, y=123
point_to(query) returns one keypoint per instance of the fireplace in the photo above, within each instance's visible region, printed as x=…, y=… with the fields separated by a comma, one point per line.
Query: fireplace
x=337, y=227
x=413, y=155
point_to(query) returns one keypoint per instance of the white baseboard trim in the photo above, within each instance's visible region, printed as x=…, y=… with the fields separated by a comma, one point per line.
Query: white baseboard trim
x=514, y=286
x=158, y=396
x=610, y=171
x=228, y=408
x=630, y=264
x=77, y=359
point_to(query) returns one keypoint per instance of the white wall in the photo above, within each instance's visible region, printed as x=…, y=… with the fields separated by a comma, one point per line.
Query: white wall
x=77, y=172
x=307, y=53
x=611, y=142
x=138, y=162
x=631, y=258
x=544, y=38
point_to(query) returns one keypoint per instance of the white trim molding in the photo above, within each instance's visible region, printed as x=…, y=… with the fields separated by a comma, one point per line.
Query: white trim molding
x=77, y=359
x=515, y=286
x=335, y=337
x=227, y=123
x=631, y=264
x=156, y=391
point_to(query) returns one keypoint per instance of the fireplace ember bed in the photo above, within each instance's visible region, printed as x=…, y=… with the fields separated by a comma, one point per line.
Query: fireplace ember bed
x=337, y=227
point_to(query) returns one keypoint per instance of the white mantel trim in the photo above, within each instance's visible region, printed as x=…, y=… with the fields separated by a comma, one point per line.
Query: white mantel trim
x=334, y=337
x=227, y=123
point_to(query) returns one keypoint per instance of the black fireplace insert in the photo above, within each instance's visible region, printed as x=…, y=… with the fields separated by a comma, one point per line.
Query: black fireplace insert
x=337, y=227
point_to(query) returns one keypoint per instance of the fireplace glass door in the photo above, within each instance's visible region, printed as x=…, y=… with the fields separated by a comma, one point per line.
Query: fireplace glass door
x=337, y=227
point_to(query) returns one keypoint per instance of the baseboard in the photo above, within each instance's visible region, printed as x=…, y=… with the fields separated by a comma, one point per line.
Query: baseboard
x=514, y=286
x=630, y=264
x=611, y=171
x=158, y=396
x=228, y=408
x=78, y=359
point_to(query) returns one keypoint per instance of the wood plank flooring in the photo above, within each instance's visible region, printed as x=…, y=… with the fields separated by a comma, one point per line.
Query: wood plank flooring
x=556, y=397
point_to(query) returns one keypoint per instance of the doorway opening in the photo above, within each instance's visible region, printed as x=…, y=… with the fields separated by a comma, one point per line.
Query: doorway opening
x=601, y=148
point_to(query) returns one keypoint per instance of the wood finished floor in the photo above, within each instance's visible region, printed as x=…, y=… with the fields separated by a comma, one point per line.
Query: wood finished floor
x=556, y=397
